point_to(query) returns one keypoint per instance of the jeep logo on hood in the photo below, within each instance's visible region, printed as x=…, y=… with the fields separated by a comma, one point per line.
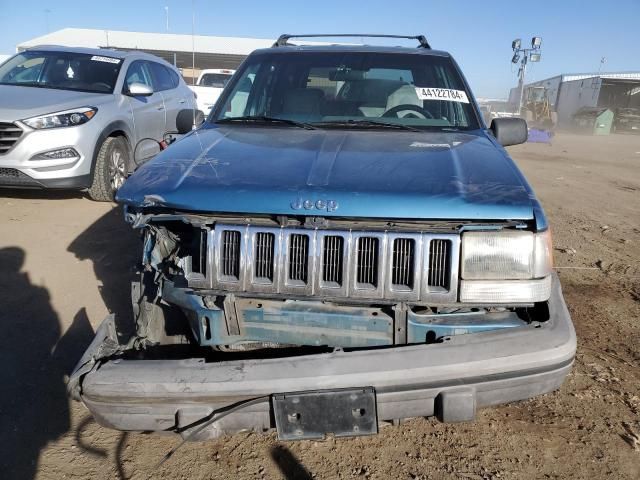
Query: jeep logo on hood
x=307, y=204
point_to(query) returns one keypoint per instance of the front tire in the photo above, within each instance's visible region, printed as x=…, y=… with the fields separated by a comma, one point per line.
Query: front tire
x=110, y=170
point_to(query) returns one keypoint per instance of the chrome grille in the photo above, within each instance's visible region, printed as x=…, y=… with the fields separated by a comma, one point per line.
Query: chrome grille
x=367, y=266
x=413, y=266
x=403, y=260
x=9, y=135
x=199, y=253
x=263, y=256
x=332, y=260
x=439, y=264
x=231, y=254
x=298, y=258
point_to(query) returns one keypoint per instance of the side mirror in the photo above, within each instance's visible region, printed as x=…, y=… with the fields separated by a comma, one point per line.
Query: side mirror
x=185, y=120
x=139, y=90
x=509, y=131
x=146, y=150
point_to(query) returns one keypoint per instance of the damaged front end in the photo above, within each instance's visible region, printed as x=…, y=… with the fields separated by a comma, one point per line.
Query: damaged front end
x=267, y=282
x=303, y=315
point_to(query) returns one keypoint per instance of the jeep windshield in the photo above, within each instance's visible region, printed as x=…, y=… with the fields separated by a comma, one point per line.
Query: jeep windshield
x=350, y=90
x=62, y=70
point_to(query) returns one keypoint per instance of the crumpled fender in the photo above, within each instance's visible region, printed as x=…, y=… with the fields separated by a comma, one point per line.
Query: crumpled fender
x=105, y=344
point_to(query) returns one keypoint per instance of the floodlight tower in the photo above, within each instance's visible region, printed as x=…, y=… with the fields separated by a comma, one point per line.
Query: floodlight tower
x=524, y=56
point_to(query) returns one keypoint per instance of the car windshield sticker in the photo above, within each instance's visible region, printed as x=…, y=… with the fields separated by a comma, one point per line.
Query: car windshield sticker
x=434, y=145
x=447, y=94
x=98, y=58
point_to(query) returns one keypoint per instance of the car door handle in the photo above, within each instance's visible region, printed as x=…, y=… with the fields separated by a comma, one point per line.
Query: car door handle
x=182, y=101
x=160, y=108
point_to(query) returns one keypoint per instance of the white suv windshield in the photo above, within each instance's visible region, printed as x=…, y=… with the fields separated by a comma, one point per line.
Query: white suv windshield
x=342, y=89
x=62, y=70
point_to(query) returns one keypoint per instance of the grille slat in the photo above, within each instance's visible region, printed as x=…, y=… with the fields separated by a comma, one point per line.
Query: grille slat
x=264, y=256
x=332, y=263
x=198, y=252
x=298, y=257
x=402, y=268
x=367, y=268
x=439, y=263
x=9, y=135
x=231, y=253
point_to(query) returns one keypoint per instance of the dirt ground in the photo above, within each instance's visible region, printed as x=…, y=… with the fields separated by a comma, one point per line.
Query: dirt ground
x=65, y=262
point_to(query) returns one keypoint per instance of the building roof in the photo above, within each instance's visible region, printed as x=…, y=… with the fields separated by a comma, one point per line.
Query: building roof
x=122, y=40
x=569, y=77
x=210, y=51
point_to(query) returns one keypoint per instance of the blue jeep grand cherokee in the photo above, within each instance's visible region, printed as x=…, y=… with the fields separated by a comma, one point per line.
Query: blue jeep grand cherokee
x=343, y=242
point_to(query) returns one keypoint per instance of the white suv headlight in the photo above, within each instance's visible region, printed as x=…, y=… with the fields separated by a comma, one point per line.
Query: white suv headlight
x=67, y=118
x=505, y=267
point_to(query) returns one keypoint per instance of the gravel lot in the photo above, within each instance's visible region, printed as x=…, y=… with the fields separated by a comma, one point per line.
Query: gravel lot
x=65, y=263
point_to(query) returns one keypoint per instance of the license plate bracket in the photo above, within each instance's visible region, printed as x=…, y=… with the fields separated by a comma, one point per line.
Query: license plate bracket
x=313, y=414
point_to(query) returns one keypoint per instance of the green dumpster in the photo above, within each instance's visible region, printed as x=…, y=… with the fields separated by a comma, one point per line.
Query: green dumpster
x=593, y=120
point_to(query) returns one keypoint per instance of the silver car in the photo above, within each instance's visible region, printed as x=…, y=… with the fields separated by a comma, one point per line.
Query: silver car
x=77, y=118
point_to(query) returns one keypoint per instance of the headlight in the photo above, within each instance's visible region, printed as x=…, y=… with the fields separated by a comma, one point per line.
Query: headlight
x=68, y=118
x=505, y=267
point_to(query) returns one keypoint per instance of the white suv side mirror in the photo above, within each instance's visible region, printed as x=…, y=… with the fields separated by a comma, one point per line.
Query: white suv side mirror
x=139, y=90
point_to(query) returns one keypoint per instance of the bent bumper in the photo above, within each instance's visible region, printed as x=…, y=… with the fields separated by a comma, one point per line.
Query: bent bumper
x=450, y=379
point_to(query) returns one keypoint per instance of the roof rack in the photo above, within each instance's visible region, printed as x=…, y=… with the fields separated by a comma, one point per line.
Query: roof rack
x=283, y=39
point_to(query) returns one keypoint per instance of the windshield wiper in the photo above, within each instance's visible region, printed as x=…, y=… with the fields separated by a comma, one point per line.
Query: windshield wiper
x=265, y=119
x=24, y=84
x=366, y=123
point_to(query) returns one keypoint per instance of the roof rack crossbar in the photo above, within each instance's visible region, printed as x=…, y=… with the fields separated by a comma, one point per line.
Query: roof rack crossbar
x=283, y=39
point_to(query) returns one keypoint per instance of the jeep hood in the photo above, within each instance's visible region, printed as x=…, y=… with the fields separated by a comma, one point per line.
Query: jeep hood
x=362, y=173
x=18, y=103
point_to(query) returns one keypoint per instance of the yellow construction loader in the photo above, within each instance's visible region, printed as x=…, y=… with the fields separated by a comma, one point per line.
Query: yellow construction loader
x=537, y=109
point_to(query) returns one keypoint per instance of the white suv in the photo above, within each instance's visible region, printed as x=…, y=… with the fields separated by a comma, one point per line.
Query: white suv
x=77, y=118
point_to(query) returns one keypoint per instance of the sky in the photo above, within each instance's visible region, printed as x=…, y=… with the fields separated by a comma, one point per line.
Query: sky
x=575, y=34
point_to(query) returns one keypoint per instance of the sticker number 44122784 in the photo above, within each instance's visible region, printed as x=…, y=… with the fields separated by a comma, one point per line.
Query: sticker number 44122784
x=447, y=94
x=99, y=58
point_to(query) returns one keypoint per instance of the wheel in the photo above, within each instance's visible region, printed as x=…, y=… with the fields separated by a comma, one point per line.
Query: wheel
x=110, y=170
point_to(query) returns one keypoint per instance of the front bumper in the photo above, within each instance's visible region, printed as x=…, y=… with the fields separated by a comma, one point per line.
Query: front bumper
x=19, y=169
x=450, y=379
x=13, y=178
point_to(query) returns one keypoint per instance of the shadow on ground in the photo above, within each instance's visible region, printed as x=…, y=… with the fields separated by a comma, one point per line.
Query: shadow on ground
x=288, y=464
x=114, y=249
x=34, y=408
x=37, y=194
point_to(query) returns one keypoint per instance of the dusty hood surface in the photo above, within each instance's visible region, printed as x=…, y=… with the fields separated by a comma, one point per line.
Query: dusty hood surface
x=18, y=103
x=346, y=173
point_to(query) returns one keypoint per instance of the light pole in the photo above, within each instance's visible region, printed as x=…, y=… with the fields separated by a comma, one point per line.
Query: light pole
x=193, y=43
x=46, y=19
x=166, y=13
x=524, y=56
